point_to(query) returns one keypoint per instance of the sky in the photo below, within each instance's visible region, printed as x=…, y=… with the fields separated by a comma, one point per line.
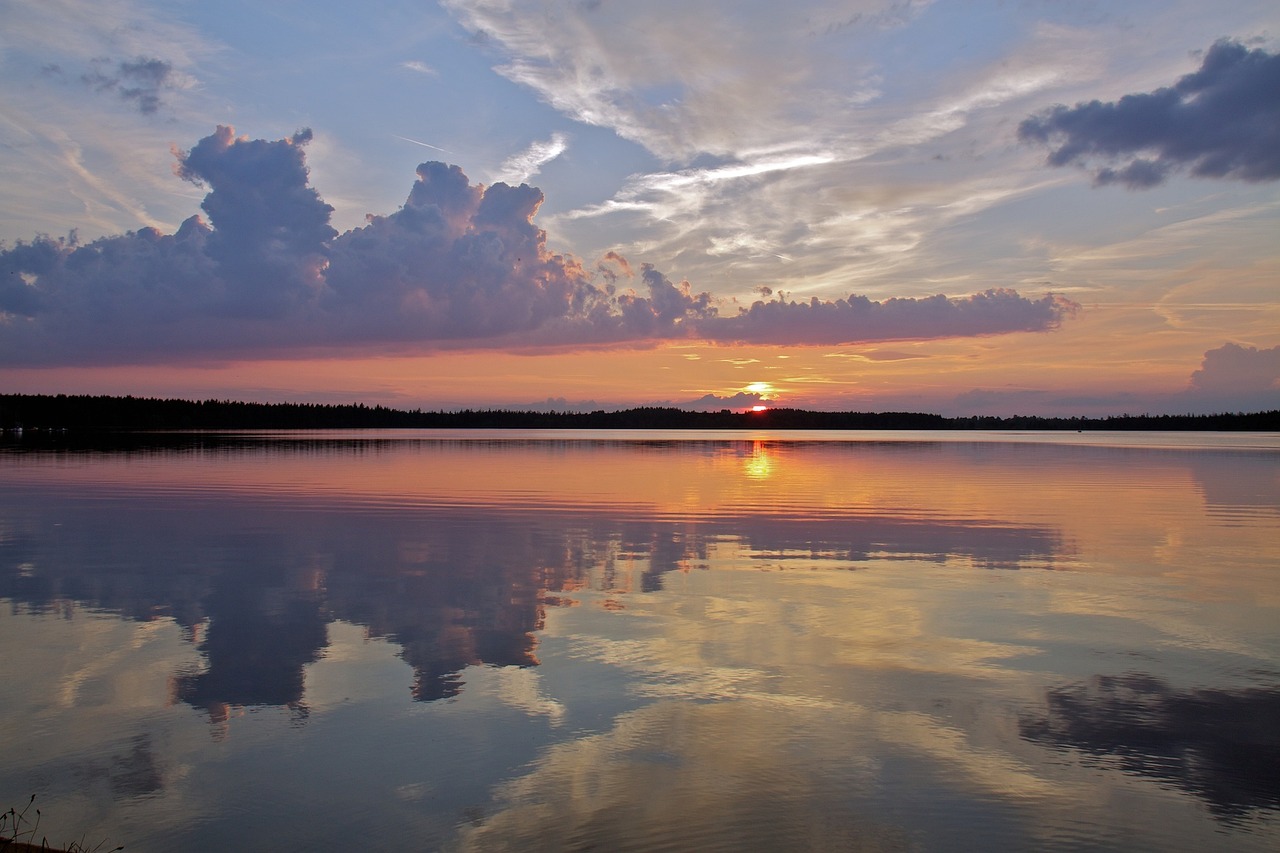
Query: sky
x=977, y=208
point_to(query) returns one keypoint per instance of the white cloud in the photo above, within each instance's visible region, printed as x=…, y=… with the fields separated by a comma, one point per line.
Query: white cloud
x=419, y=67
x=846, y=135
x=683, y=79
x=771, y=120
x=519, y=168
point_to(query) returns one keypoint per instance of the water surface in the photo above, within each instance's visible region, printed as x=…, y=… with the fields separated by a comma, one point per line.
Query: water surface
x=534, y=640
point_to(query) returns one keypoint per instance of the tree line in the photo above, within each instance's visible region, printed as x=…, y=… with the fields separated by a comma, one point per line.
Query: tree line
x=85, y=413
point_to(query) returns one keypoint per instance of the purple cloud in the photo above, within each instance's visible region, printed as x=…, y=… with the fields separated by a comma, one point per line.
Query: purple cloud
x=458, y=266
x=1222, y=121
x=858, y=319
x=715, y=403
x=271, y=229
x=138, y=81
x=1236, y=378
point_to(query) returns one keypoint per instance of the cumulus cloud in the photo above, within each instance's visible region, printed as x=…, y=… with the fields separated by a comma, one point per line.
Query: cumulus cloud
x=1233, y=376
x=1222, y=121
x=458, y=265
x=271, y=228
x=457, y=262
x=1232, y=367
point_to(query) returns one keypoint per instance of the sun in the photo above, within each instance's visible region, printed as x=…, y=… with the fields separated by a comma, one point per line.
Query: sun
x=764, y=392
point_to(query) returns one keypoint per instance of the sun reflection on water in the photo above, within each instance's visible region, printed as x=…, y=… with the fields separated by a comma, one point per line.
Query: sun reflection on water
x=759, y=465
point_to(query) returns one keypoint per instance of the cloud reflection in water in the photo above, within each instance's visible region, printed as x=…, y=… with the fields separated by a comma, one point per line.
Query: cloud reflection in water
x=816, y=641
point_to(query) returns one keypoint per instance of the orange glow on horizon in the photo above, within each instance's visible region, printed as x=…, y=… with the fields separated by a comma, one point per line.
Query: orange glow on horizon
x=931, y=376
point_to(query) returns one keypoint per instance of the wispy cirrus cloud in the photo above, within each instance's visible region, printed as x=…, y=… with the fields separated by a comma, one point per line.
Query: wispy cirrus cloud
x=675, y=77
x=96, y=92
x=419, y=67
x=81, y=30
x=520, y=167
x=787, y=149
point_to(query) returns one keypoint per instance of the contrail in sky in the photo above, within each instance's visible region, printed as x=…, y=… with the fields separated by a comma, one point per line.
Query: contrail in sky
x=423, y=144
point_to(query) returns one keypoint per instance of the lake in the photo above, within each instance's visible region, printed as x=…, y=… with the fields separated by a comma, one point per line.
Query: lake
x=644, y=640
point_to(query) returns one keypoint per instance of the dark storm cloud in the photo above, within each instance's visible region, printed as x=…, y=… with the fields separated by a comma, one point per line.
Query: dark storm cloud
x=459, y=265
x=138, y=81
x=1222, y=121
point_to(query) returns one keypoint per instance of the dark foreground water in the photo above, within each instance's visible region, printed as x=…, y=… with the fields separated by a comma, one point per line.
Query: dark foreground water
x=521, y=641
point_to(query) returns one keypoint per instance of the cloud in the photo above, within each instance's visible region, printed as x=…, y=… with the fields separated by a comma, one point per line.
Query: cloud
x=458, y=262
x=1222, y=121
x=793, y=146
x=1235, y=368
x=1235, y=378
x=714, y=402
x=419, y=67
x=138, y=81
x=521, y=167
x=459, y=265
x=271, y=228
x=877, y=355
x=857, y=319
x=653, y=75
x=613, y=266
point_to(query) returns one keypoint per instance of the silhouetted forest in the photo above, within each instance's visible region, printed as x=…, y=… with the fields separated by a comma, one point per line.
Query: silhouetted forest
x=71, y=413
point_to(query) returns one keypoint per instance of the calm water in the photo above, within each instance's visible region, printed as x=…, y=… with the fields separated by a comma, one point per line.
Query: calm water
x=681, y=641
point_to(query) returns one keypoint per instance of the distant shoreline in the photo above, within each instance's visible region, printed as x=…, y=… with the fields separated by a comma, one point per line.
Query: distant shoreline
x=59, y=414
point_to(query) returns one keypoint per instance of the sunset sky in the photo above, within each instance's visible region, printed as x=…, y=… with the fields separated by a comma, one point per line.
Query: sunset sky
x=965, y=208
